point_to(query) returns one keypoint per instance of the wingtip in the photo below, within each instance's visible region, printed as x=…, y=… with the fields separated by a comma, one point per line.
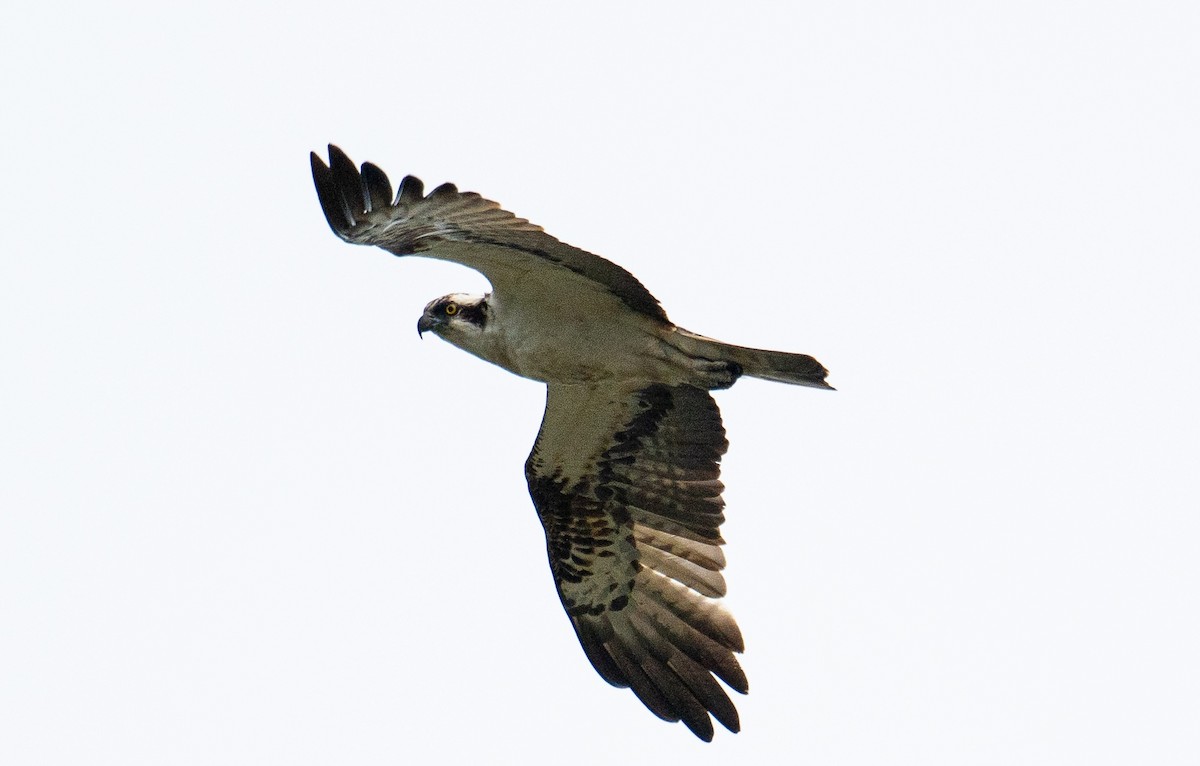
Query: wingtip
x=336, y=154
x=330, y=185
x=411, y=191
x=704, y=733
x=317, y=163
x=376, y=187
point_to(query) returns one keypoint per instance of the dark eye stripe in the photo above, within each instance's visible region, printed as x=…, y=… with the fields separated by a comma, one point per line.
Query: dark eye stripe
x=476, y=315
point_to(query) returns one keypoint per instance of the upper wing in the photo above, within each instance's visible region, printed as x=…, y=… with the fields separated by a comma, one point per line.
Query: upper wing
x=626, y=483
x=465, y=228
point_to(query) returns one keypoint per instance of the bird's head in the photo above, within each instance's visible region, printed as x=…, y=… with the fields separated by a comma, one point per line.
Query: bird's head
x=456, y=318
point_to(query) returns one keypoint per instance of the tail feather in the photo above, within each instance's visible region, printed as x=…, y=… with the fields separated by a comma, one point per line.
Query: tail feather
x=779, y=366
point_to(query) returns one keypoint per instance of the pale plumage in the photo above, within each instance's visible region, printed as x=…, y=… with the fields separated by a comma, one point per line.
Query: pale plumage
x=625, y=470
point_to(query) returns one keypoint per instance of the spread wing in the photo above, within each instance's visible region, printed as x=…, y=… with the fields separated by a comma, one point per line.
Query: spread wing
x=515, y=255
x=626, y=483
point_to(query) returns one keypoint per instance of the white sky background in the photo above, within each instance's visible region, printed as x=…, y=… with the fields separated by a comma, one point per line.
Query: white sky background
x=248, y=518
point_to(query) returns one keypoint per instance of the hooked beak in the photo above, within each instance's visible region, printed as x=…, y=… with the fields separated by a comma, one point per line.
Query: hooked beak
x=424, y=324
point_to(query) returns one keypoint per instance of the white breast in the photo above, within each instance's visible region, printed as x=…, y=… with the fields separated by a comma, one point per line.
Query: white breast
x=580, y=341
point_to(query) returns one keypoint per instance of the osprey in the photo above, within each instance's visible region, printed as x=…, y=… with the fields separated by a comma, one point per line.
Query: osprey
x=624, y=473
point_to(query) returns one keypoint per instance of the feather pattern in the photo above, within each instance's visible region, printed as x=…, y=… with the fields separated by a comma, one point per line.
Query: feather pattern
x=633, y=543
x=462, y=227
x=625, y=472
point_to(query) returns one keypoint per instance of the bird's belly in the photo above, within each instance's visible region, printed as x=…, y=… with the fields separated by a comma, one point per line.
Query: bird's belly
x=581, y=352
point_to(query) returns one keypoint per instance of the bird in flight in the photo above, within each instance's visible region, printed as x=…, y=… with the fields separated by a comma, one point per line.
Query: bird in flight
x=624, y=473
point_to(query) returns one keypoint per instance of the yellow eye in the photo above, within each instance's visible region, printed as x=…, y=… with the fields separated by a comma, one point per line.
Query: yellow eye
x=451, y=309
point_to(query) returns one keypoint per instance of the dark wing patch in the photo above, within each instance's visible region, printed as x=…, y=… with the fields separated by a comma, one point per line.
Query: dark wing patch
x=360, y=208
x=635, y=552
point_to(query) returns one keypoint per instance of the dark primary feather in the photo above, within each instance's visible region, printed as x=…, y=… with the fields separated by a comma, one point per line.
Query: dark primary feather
x=635, y=552
x=377, y=189
x=360, y=208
